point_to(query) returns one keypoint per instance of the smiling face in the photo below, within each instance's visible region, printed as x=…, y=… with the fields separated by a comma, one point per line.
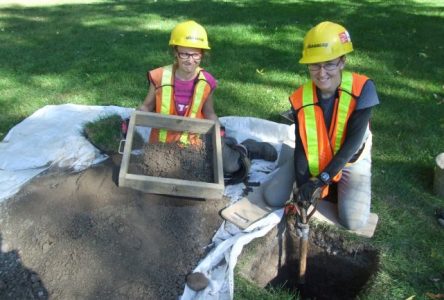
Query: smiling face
x=327, y=75
x=188, y=59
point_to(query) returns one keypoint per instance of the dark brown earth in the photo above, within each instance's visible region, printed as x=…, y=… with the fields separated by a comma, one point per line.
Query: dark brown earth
x=80, y=236
x=337, y=268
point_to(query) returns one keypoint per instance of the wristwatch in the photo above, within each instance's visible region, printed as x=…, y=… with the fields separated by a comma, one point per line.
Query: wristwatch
x=325, y=178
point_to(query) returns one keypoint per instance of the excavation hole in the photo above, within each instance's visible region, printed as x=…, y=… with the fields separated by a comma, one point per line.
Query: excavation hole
x=337, y=268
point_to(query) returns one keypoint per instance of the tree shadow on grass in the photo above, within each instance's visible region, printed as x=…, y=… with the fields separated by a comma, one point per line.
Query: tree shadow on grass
x=95, y=49
x=99, y=53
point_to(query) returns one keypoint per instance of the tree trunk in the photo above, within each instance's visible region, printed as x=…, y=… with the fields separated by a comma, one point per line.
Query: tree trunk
x=438, y=184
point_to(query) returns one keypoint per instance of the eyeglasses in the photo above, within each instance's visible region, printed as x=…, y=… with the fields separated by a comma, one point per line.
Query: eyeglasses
x=184, y=55
x=330, y=66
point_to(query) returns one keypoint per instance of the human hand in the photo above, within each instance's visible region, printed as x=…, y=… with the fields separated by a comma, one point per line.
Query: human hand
x=310, y=191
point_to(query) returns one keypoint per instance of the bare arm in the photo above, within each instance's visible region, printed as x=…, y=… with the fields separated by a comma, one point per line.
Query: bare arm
x=150, y=100
x=208, y=109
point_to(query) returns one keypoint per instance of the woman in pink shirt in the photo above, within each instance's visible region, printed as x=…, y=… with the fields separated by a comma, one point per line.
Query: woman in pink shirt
x=189, y=40
x=185, y=89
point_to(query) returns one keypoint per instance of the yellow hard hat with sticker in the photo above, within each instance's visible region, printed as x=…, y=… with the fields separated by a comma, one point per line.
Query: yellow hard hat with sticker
x=326, y=41
x=189, y=34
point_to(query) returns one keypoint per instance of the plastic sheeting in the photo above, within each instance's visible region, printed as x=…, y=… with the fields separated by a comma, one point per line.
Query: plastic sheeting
x=228, y=242
x=52, y=136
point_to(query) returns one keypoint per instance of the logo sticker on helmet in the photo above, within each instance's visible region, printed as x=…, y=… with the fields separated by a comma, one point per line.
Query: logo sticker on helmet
x=194, y=38
x=325, y=45
x=344, y=37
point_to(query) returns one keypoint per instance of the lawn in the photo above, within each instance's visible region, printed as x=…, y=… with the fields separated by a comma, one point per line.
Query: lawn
x=98, y=52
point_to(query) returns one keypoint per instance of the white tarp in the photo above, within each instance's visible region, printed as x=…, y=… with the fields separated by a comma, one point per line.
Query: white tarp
x=52, y=136
x=229, y=240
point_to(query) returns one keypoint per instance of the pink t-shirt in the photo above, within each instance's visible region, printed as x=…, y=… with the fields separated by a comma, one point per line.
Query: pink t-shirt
x=183, y=91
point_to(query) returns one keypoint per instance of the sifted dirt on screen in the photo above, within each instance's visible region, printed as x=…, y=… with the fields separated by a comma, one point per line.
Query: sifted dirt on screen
x=175, y=160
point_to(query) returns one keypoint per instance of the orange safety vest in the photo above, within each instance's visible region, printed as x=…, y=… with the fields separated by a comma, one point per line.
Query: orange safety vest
x=163, y=79
x=320, y=145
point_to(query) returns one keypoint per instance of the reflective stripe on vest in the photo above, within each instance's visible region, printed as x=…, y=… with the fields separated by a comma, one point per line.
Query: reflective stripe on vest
x=167, y=93
x=311, y=128
x=343, y=108
x=196, y=102
x=167, y=99
x=311, y=124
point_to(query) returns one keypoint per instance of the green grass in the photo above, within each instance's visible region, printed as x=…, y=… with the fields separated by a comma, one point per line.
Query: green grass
x=246, y=289
x=105, y=133
x=97, y=53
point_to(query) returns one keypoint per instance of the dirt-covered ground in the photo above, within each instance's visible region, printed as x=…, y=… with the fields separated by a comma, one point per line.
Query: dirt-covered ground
x=80, y=236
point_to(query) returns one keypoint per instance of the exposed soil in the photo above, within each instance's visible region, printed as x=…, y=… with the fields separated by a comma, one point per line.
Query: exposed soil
x=173, y=160
x=80, y=236
x=336, y=268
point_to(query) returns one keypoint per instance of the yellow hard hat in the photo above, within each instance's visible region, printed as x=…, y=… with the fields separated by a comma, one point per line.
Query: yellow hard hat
x=189, y=34
x=324, y=42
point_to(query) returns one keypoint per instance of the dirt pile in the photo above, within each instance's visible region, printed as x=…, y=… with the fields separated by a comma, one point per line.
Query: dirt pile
x=79, y=236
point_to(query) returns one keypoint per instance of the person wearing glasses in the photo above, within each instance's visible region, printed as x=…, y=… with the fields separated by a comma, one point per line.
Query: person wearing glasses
x=332, y=134
x=185, y=89
x=189, y=87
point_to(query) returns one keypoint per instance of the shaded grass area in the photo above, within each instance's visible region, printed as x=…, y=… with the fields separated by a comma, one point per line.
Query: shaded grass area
x=98, y=54
x=108, y=134
x=246, y=289
x=105, y=133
